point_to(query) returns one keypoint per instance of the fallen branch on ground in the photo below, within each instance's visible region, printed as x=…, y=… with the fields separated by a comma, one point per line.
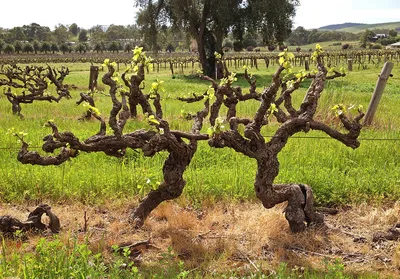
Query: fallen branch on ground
x=10, y=225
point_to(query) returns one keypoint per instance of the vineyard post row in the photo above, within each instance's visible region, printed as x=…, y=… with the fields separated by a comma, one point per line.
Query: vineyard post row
x=179, y=62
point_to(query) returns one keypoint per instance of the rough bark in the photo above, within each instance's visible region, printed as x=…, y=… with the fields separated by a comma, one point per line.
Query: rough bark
x=300, y=200
x=182, y=145
x=180, y=156
x=136, y=96
x=149, y=141
x=391, y=234
x=10, y=225
x=88, y=99
x=173, y=169
x=228, y=96
x=33, y=80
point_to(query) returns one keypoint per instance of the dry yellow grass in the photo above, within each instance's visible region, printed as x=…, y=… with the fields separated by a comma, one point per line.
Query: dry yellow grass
x=240, y=236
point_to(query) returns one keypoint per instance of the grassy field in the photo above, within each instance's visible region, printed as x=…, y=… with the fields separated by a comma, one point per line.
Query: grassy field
x=331, y=45
x=338, y=175
x=321, y=162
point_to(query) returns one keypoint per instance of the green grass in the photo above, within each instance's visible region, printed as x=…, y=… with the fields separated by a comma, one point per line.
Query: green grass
x=52, y=258
x=337, y=174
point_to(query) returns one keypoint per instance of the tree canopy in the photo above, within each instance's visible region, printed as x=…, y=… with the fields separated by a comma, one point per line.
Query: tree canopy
x=271, y=18
x=208, y=22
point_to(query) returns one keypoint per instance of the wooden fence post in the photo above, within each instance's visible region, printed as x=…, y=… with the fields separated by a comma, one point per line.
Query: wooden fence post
x=350, y=64
x=306, y=65
x=376, y=97
x=94, y=73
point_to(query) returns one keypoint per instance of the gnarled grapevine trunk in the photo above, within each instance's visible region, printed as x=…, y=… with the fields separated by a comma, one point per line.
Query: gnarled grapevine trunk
x=173, y=184
x=34, y=81
x=299, y=197
x=149, y=141
x=275, y=100
x=179, y=158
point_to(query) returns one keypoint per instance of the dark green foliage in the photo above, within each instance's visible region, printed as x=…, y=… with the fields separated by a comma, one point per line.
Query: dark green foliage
x=18, y=46
x=15, y=34
x=271, y=18
x=393, y=33
x=388, y=41
x=83, y=37
x=28, y=48
x=61, y=34
x=9, y=48
x=128, y=47
x=46, y=47
x=54, y=47
x=36, y=32
x=2, y=43
x=64, y=48
x=36, y=46
x=115, y=46
x=208, y=22
x=74, y=29
x=366, y=37
x=301, y=36
x=80, y=48
x=98, y=47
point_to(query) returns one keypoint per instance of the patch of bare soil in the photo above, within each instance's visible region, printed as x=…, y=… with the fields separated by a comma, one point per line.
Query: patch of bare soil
x=222, y=237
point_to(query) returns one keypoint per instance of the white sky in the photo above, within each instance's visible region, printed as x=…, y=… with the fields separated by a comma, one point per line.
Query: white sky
x=318, y=13
x=88, y=13
x=85, y=13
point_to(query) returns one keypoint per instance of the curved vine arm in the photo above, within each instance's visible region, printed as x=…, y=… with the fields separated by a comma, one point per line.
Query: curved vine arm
x=353, y=127
x=286, y=97
x=117, y=105
x=193, y=99
x=252, y=130
x=252, y=81
x=157, y=105
x=34, y=158
x=58, y=80
x=199, y=118
x=125, y=80
x=70, y=146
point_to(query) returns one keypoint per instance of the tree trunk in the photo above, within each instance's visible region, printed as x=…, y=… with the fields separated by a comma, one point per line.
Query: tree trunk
x=203, y=57
x=219, y=37
x=173, y=170
x=206, y=47
x=300, y=208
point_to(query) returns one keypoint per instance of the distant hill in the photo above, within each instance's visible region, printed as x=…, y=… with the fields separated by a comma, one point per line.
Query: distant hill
x=360, y=27
x=340, y=26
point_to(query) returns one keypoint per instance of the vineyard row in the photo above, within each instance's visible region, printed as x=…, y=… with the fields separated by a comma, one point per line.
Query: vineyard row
x=183, y=61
